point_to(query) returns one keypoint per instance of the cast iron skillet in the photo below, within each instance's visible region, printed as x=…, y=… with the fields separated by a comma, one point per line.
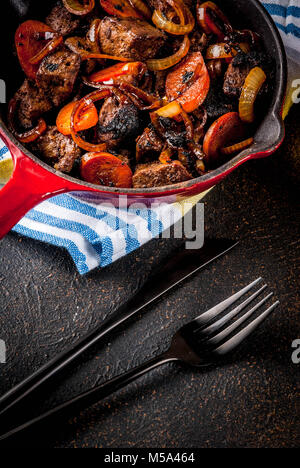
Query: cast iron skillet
x=34, y=181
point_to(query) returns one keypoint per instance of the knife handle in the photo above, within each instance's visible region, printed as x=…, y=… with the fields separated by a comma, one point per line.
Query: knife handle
x=91, y=396
x=52, y=368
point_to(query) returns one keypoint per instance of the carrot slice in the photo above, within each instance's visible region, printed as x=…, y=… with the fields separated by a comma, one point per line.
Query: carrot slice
x=31, y=38
x=105, y=169
x=115, y=71
x=189, y=82
x=120, y=8
x=226, y=130
x=87, y=119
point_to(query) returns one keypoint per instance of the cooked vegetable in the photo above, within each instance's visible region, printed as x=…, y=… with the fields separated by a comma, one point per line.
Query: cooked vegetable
x=223, y=50
x=165, y=156
x=164, y=63
x=50, y=47
x=190, y=81
x=88, y=118
x=224, y=131
x=182, y=12
x=141, y=6
x=110, y=74
x=30, y=135
x=237, y=147
x=105, y=169
x=140, y=97
x=250, y=90
x=212, y=19
x=170, y=110
x=75, y=46
x=80, y=8
x=92, y=36
x=32, y=38
x=120, y=8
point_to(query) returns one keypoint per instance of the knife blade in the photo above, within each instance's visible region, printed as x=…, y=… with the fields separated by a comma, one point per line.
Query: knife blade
x=174, y=272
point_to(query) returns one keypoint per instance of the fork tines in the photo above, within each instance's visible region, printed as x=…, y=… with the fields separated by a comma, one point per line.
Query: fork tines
x=210, y=324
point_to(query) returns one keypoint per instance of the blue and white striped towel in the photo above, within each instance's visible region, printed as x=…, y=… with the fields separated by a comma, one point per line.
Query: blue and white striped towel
x=97, y=236
x=286, y=15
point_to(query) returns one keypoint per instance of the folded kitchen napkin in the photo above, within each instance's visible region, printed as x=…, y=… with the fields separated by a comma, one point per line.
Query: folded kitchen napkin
x=96, y=235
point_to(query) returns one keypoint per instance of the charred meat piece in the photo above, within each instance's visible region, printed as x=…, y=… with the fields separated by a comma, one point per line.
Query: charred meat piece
x=217, y=103
x=57, y=149
x=240, y=67
x=32, y=104
x=57, y=74
x=149, y=143
x=173, y=132
x=157, y=175
x=117, y=121
x=130, y=37
x=61, y=20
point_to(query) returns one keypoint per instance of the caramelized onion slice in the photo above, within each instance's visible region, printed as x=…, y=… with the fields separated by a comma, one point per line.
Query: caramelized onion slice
x=141, y=7
x=164, y=63
x=74, y=44
x=79, y=8
x=49, y=47
x=170, y=110
x=250, y=90
x=237, y=147
x=187, y=21
x=30, y=135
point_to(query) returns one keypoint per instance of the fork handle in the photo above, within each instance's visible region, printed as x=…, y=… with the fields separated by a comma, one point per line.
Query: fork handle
x=93, y=395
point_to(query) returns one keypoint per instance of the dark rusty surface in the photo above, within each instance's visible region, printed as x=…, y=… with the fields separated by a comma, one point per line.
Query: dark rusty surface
x=249, y=402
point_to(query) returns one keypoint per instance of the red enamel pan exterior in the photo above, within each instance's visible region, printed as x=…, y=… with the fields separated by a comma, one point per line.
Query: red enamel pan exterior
x=34, y=181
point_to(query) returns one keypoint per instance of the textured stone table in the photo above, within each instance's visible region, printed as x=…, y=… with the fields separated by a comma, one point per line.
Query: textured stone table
x=249, y=402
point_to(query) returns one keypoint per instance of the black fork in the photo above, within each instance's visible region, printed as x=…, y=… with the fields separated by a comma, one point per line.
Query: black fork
x=199, y=343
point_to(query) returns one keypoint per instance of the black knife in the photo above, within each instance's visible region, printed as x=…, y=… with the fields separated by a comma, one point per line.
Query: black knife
x=178, y=268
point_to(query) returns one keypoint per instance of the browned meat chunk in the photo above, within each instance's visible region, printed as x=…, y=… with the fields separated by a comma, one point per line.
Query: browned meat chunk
x=217, y=103
x=240, y=67
x=157, y=174
x=32, y=103
x=57, y=74
x=61, y=20
x=199, y=41
x=149, y=143
x=57, y=149
x=117, y=122
x=130, y=37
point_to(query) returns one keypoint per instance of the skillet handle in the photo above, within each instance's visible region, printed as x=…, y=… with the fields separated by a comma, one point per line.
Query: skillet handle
x=29, y=185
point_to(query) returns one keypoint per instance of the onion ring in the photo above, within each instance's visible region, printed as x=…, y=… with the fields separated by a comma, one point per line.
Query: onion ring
x=30, y=135
x=250, y=90
x=164, y=63
x=77, y=8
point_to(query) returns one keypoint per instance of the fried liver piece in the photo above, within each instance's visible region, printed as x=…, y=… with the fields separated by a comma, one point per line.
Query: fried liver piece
x=117, y=121
x=157, y=175
x=57, y=149
x=240, y=67
x=149, y=143
x=57, y=74
x=61, y=20
x=130, y=37
x=32, y=104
